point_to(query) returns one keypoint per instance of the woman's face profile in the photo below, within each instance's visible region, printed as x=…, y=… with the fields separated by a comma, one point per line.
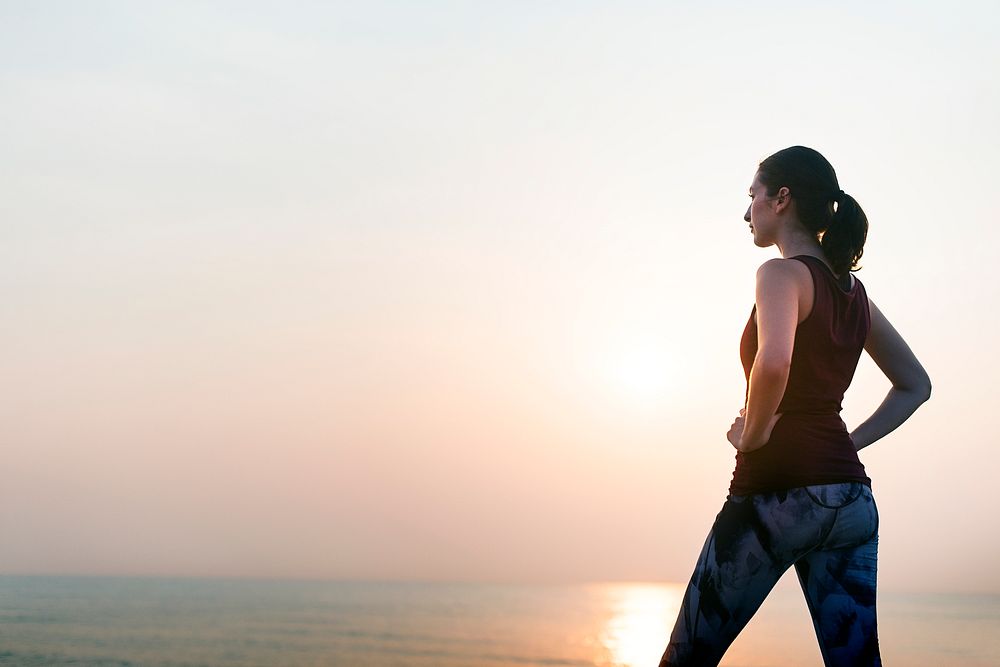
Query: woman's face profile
x=760, y=213
x=757, y=195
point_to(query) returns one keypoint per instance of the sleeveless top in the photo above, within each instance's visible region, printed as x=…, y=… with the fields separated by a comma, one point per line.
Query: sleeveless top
x=810, y=443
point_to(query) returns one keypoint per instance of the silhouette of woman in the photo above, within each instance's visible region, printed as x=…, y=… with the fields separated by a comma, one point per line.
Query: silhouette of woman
x=799, y=494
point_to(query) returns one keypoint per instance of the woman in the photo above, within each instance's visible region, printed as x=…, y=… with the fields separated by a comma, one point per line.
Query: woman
x=799, y=494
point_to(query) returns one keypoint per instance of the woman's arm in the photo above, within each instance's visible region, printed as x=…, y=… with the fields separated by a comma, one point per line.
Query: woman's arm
x=911, y=385
x=777, y=296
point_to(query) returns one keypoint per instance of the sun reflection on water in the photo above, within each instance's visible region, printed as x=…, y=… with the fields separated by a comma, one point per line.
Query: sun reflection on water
x=642, y=616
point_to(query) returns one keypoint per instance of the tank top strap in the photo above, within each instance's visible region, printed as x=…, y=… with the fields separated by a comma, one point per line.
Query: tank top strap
x=821, y=295
x=817, y=265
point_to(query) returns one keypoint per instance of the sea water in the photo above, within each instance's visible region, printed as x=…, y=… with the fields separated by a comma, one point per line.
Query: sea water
x=160, y=622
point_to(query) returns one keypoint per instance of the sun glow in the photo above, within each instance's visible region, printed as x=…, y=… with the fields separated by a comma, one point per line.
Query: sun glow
x=641, y=371
x=639, y=630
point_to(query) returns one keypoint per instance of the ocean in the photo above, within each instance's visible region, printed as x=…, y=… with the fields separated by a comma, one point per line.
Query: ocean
x=189, y=622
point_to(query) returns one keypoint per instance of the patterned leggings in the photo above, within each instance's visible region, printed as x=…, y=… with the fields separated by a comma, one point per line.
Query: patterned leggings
x=828, y=531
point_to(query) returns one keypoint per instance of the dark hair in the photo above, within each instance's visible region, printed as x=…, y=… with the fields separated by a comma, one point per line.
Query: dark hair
x=813, y=186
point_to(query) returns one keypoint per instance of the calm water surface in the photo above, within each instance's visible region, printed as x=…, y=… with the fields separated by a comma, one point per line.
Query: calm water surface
x=98, y=621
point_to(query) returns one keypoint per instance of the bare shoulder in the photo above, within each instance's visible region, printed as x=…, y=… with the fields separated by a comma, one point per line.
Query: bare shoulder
x=781, y=273
x=787, y=281
x=782, y=264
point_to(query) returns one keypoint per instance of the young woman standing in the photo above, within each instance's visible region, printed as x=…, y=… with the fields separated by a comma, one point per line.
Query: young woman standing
x=799, y=494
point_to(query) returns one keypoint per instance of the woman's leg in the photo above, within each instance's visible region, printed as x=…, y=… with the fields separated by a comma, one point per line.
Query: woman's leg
x=838, y=580
x=734, y=573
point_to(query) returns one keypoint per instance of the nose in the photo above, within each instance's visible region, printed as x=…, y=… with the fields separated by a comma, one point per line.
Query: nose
x=746, y=216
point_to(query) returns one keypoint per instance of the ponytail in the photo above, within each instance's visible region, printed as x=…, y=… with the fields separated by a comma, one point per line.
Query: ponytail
x=843, y=240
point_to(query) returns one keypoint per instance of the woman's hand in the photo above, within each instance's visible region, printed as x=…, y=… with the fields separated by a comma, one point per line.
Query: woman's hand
x=735, y=434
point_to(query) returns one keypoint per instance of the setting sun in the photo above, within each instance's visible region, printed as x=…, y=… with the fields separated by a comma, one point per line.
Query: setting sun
x=640, y=370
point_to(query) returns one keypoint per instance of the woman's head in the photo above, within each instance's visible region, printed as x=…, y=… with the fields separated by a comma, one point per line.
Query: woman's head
x=810, y=183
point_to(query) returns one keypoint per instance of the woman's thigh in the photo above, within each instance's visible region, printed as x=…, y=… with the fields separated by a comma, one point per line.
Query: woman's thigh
x=839, y=580
x=753, y=541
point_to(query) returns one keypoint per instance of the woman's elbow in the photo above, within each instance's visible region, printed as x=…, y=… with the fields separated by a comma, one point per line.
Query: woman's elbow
x=924, y=386
x=921, y=388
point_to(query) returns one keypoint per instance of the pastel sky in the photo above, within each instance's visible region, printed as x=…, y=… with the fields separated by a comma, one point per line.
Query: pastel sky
x=454, y=290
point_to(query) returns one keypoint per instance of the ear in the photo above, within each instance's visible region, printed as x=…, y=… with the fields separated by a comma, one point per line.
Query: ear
x=783, y=199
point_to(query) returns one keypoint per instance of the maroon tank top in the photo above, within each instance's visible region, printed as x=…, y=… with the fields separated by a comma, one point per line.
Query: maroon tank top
x=810, y=443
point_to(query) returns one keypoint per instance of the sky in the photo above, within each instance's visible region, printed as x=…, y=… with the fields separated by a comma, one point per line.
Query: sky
x=454, y=290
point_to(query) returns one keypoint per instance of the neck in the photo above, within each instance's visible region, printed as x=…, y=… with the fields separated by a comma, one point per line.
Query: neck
x=797, y=241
